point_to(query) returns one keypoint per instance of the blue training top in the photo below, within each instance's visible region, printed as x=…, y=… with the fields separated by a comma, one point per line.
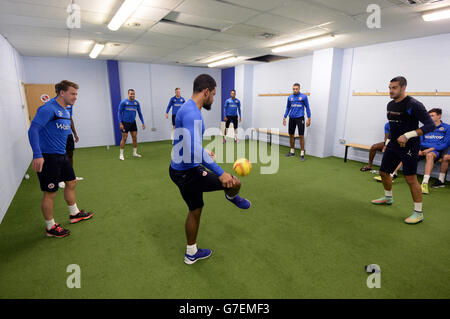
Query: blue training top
x=49, y=129
x=232, y=107
x=386, y=128
x=296, y=104
x=127, y=111
x=69, y=108
x=439, y=138
x=176, y=103
x=187, y=150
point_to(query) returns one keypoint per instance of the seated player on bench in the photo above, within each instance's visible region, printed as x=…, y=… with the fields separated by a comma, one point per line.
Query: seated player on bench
x=444, y=168
x=432, y=145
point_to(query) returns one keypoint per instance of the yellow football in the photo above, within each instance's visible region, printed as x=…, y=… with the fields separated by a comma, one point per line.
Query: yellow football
x=242, y=167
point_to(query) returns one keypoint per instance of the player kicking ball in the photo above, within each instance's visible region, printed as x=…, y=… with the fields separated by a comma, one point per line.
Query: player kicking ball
x=403, y=144
x=186, y=172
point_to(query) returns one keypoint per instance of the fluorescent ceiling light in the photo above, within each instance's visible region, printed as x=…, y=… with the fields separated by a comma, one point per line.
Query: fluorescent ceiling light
x=98, y=47
x=437, y=15
x=222, y=62
x=126, y=9
x=304, y=43
x=217, y=58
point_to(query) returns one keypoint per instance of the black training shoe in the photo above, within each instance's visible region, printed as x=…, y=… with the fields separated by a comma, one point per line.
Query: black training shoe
x=394, y=176
x=57, y=231
x=302, y=158
x=82, y=215
x=438, y=184
x=290, y=154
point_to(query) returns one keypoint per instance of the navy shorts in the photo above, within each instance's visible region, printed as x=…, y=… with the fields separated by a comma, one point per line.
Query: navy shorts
x=297, y=123
x=56, y=168
x=231, y=118
x=70, y=146
x=193, y=183
x=129, y=127
x=394, y=155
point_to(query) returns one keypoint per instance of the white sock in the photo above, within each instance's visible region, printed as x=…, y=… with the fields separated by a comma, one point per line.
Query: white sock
x=191, y=249
x=292, y=150
x=230, y=197
x=235, y=133
x=73, y=210
x=50, y=223
x=442, y=177
x=426, y=178
x=387, y=193
x=135, y=150
x=418, y=207
x=121, y=151
x=302, y=153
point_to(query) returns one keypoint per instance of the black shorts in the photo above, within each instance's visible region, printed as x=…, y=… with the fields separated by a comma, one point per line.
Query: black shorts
x=70, y=146
x=394, y=155
x=129, y=127
x=233, y=119
x=173, y=119
x=193, y=183
x=56, y=168
x=297, y=122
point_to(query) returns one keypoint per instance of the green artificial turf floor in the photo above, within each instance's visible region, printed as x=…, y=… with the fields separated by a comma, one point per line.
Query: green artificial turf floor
x=309, y=233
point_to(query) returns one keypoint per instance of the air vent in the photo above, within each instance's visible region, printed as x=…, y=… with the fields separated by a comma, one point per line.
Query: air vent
x=419, y=2
x=133, y=24
x=268, y=58
x=165, y=20
x=265, y=36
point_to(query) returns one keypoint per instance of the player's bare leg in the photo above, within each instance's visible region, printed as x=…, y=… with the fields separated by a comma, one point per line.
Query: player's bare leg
x=135, y=143
x=122, y=145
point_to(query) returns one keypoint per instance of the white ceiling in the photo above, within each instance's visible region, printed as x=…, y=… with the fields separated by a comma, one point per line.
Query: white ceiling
x=38, y=27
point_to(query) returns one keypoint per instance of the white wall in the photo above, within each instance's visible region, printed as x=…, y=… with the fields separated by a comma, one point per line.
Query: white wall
x=243, y=84
x=16, y=152
x=424, y=62
x=92, y=113
x=155, y=84
x=278, y=77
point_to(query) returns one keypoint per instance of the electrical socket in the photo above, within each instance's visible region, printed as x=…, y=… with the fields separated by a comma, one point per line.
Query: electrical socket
x=342, y=141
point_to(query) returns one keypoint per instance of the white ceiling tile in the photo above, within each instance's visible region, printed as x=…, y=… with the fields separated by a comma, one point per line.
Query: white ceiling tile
x=276, y=22
x=199, y=21
x=248, y=31
x=181, y=31
x=163, y=4
x=305, y=12
x=144, y=51
x=352, y=7
x=164, y=41
x=260, y=5
x=216, y=10
x=149, y=13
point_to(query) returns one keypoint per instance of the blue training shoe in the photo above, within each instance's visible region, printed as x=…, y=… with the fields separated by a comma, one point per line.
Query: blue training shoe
x=240, y=202
x=201, y=254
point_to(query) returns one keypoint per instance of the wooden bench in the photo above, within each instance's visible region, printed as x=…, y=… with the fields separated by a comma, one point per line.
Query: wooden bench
x=270, y=133
x=354, y=145
x=367, y=147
